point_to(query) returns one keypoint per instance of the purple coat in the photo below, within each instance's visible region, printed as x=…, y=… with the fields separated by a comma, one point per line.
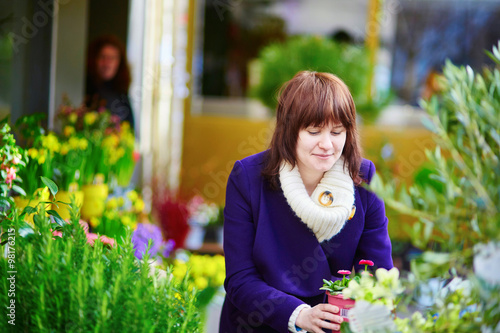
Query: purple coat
x=274, y=262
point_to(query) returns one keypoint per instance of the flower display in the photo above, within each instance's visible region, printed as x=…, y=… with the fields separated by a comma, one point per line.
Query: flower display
x=111, y=144
x=69, y=162
x=120, y=212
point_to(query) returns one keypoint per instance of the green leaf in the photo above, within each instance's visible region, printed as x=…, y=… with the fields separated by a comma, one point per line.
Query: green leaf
x=19, y=190
x=56, y=217
x=429, y=124
x=28, y=210
x=50, y=184
x=4, y=202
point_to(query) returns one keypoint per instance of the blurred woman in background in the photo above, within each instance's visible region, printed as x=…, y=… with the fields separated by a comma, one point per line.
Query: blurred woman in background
x=108, y=77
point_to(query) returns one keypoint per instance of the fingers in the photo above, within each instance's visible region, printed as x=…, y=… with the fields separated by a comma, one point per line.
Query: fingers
x=318, y=317
x=328, y=307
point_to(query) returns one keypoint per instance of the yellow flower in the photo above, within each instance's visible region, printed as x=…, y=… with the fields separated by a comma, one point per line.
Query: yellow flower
x=201, y=282
x=132, y=195
x=120, y=152
x=51, y=143
x=139, y=205
x=94, y=221
x=33, y=153
x=83, y=144
x=111, y=141
x=65, y=148
x=74, y=142
x=112, y=203
x=73, y=118
x=89, y=118
x=219, y=278
x=110, y=214
x=41, y=159
x=68, y=130
x=180, y=269
x=127, y=221
x=125, y=126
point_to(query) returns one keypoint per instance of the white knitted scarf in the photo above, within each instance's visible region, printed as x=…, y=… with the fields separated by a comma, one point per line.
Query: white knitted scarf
x=328, y=208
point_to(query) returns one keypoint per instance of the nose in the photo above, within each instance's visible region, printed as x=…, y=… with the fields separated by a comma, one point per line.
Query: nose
x=325, y=142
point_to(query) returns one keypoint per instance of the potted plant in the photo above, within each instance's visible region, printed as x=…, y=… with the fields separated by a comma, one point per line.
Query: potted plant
x=334, y=290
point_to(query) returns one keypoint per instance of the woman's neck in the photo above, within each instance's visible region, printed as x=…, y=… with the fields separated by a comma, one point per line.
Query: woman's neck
x=310, y=180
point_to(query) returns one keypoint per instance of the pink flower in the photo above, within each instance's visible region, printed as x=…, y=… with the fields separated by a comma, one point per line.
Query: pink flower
x=105, y=240
x=11, y=175
x=344, y=272
x=57, y=233
x=85, y=226
x=366, y=262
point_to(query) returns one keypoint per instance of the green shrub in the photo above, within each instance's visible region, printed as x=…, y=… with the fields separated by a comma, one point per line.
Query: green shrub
x=63, y=284
x=457, y=199
x=281, y=61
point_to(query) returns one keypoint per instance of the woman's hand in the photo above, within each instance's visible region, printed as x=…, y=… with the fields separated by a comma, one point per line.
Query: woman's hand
x=315, y=319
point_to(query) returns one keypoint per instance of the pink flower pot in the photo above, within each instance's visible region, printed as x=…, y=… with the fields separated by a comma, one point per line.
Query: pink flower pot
x=343, y=304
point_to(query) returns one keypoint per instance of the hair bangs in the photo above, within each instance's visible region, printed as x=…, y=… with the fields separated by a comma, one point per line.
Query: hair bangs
x=325, y=103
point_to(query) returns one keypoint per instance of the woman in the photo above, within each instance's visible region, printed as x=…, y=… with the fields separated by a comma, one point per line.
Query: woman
x=108, y=78
x=297, y=213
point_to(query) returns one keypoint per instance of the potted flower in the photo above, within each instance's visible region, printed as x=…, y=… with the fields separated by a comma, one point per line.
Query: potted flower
x=335, y=290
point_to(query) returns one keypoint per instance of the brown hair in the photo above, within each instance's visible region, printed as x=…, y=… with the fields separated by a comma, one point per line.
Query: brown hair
x=312, y=99
x=121, y=81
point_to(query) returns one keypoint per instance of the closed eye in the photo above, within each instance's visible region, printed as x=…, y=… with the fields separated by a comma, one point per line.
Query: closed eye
x=313, y=133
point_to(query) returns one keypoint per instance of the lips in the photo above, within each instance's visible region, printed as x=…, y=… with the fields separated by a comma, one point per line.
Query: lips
x=323, y=156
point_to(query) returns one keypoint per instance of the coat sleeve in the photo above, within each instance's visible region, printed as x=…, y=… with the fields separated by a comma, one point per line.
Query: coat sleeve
x=374, y=244
x=244, y=285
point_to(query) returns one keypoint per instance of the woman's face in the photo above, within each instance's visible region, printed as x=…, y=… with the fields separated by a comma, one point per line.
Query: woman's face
x=318, y=148
x=108, y=62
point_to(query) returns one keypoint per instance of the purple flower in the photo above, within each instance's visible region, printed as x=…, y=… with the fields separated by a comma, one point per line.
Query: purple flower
x=141, y=237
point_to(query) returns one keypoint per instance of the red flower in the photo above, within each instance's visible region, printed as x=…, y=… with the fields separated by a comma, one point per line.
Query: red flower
x=366, y=262
x=344, y=272
x=172, y=214
x=136, y=155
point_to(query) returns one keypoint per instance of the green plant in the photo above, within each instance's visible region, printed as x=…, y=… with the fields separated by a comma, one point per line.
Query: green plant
x=281, y=61
x=336, y=287
x=12, y=159
x=458, y=202
x=63, y=284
